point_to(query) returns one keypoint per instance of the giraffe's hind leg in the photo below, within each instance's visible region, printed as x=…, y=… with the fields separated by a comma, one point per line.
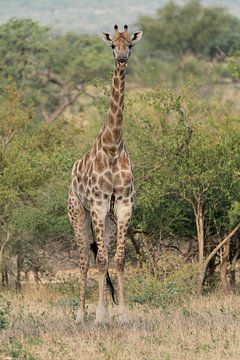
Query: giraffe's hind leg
x=80, y=220
x=98, y=215
x=110, y=234
x=110, y=238
x=123, y=214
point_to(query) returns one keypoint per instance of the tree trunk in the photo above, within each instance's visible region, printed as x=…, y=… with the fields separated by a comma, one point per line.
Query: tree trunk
x=3, y=273
x=201, y=279
x=200, y=236
x=153, y=269
x=210, y=276
x=204, y=266
x=20, y=260
x=200, y=231
x=5, y=280
x=233, y=270
x=3, y=277
x=2, y=260
x=36, y=276
x=66, y=101
x=224, y=267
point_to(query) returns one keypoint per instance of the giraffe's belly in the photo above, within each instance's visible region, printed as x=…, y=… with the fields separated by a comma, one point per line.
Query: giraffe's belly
x=97, y=180
x=105, y=192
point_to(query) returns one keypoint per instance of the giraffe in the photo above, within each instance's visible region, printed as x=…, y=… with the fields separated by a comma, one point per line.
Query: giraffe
x=102, y=191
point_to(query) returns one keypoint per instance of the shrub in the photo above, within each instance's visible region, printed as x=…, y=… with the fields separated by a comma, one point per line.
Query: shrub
x=4, y=315
x=173, y=290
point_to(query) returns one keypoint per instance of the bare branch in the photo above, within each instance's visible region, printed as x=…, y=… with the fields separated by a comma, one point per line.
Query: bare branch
x=224, y=241
x=90, y=95
x=6, y=141
x=66, y=100
x=2, y=246
x=188, y=200
x=53, y=78
x=204, y=267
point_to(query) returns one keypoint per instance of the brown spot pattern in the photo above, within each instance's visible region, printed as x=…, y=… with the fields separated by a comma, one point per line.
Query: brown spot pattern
x=116, y=82
x=116, y=96
x=114, y=107
x=104, y=184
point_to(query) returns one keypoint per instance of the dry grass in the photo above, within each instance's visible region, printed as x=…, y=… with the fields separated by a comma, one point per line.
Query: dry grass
x=40, y=325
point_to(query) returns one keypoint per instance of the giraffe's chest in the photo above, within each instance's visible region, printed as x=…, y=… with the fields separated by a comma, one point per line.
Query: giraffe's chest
x=100, y=181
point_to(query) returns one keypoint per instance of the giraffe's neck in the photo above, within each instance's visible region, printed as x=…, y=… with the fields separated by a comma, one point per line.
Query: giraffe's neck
x=112, y=134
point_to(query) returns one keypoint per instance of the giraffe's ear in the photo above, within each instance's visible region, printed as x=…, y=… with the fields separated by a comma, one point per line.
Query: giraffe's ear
x=106, y=37
x=136, y=36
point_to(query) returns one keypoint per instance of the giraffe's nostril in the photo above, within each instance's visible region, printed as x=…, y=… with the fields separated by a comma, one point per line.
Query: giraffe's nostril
x=122, y=60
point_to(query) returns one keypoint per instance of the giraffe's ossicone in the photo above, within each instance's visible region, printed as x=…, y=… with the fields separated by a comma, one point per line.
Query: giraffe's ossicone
x=102, y=191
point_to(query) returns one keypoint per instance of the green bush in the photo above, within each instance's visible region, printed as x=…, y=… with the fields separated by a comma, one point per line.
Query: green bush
x=146, y=289
x=222, y=71
x=3, y=320
x=4, y=315
x=17, y=351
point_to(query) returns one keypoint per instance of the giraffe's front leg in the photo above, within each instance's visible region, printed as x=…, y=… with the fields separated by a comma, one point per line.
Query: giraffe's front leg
x=98, y=219
x=123, y=213
x=84, y=266
x=80, y=220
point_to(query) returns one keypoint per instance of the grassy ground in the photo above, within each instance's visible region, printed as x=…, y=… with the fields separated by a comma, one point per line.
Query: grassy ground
x=39, y=324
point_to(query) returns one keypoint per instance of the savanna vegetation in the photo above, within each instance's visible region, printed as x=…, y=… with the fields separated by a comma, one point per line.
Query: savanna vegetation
x=182, y=130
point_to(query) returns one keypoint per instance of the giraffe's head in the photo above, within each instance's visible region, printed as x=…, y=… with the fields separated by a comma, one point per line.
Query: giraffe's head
x=121, y=43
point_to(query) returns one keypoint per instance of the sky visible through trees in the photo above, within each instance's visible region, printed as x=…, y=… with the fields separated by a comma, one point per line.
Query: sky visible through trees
x=83, y=16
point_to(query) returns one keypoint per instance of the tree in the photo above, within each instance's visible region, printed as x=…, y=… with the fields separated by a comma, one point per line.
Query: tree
x=38, y=170
x=158, y=130
x=234, y=65
x=207, y=180
x=52, y=72
x=191, y=28
x=71, y=65
x=187, y=176
x=14, y=117
x=35, y=165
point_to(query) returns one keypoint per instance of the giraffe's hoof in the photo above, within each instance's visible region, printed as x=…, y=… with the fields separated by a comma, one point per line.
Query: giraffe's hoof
x=102, y=316
x=80, y=319
x=123, y=316
x=123, y=319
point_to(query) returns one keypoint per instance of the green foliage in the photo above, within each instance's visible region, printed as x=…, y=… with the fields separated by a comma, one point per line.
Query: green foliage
x=17, y=351
x=36, y=165
x=172, y=291
x=5, y=313
x=42, y=210
x=184, y=157
x=50, y=70
x=23, y=43
x=3, y=320
x=234, y=213
x=12, y=108
x=234, y=66
x=191, y=28
x=14, y=118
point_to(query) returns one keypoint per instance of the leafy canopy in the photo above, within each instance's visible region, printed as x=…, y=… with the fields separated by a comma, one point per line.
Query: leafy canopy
x=192, y=27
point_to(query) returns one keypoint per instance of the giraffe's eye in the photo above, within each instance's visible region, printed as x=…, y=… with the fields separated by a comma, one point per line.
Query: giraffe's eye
x=113, y=46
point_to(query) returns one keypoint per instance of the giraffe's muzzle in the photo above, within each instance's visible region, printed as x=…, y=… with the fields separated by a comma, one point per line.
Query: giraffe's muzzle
x=122, y=60
x=122, y=63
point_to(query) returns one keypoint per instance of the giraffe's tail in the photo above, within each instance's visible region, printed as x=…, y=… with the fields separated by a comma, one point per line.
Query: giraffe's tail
x=94, y=249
